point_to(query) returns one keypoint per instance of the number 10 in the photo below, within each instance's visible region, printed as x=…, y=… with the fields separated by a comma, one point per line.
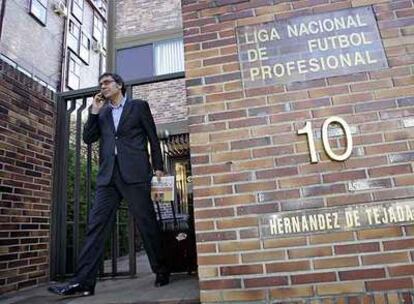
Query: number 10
x=325, y=141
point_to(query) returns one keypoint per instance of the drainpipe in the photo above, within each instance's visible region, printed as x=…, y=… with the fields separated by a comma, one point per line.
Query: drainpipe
x=2, y=12
x=64, y=49
x=111, y=36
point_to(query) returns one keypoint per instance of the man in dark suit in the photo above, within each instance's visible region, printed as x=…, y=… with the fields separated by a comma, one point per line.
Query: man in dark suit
x=124, y=128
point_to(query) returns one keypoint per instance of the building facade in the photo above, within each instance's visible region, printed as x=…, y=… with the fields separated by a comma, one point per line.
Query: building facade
x=61, y=44
x=300, y=121
x=148, y=43
x=299, y=116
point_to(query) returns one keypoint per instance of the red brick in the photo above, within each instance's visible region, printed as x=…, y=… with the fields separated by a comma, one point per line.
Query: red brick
x=275, y=173
x=220, y=284
x=237, y=222
x=205, y=225
x=213, y=191
x=270, y=151
x=216, y=236
x=379, y=233
x=248, y=122
x=256, y=186
x=309, y=252
x=299, y=181
x=401, y=270
x=266, y=282
x=362, y=274
x=292, y=292
x=321, y=167
x=352, y=98
x=323, y=190
x=206, y=248
x=356, y=248
x=214, y=213
x=313, y=278
x=311, y=103
x=263, y=256
x=366, y=162
x=246, y=103
x=232, y=177
x=330, y=263
x=243, y=199
x=244, y=295
x=264, y=91
x=333, y=237
x=249, y=143
x=288, y=266
x=279, y=195
x=239, y=246
x=241, y=269
x=291, y=116
x=344, y=176
x=218, y=259
x=390, y=284
x=399, y=244
x=258, y=209
x=385, y=258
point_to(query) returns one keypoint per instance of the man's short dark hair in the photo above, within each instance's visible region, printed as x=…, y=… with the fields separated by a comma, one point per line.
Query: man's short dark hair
x=118, y=79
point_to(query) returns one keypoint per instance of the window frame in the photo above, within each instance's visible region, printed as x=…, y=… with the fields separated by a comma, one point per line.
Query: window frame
x=79, y=8
x=74, y=36
x=152, y=43
x=97, y=31
x=85, y=48
x=73, y=57
x=34, y=15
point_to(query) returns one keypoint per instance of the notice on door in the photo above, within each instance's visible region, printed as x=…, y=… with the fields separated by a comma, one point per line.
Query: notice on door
x=310, y=47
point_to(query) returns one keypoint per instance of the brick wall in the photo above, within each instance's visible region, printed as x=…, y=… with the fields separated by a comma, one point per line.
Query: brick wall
x=136, y=17
x=26, y=156
x=167, y=100
x=247, y=160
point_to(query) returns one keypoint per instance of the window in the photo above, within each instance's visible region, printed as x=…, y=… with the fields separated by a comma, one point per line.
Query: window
x=38, y=9
x=102, y=6
x=169, y=56
x=85, y=47
x=104, y=38
x=135, y=63
x=103, y=64
x=73, y=81
x=77, y=9
x=74, y=36
x=160, y=58
x=97, y=28
x=99, y=32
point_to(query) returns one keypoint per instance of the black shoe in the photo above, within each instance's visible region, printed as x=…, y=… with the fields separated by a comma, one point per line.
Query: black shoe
x=161, y=279
x=72, y=289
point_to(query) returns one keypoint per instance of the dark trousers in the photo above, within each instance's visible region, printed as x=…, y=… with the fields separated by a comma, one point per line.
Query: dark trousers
x=101, y=220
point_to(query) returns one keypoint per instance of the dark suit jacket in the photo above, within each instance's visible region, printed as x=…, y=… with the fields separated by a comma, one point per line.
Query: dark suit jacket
x=136, y=127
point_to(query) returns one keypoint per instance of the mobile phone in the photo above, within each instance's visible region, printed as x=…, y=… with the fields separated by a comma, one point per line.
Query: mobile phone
x=101, y=97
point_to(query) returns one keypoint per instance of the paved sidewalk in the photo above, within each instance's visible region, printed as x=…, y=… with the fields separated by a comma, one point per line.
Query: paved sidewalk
x=183, y=289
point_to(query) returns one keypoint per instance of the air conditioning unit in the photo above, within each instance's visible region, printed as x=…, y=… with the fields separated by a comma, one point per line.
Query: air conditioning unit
x=98, y=47
x=60, y=8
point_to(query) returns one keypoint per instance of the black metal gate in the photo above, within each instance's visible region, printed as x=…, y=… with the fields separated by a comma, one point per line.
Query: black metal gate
x=75, y=168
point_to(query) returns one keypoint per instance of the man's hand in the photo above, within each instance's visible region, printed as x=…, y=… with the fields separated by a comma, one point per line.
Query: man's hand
x=159, y=174
x=97, y=103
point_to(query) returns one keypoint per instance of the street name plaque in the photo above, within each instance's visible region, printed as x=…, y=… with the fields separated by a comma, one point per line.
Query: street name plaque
x=356, y=217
